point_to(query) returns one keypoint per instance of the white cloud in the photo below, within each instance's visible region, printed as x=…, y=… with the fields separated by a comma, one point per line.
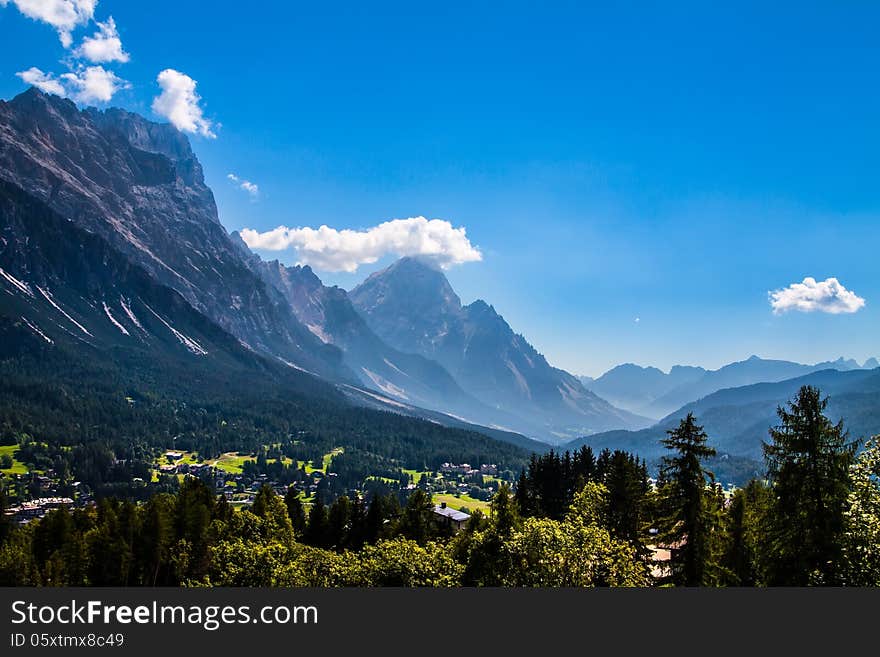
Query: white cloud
x=93, y=84
x=45, y=82
x=246, y=185
x=63, y=15
x=179, y=103
x=104, y=46
x=329, y=249
x=827, y=296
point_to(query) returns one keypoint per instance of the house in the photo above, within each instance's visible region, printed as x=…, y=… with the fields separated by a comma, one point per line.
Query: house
x=450, y=517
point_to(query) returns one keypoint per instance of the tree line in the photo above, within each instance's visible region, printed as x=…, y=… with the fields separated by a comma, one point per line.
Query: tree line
x=571, y=520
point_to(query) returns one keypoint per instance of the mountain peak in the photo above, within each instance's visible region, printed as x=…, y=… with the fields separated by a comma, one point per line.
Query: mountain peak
x=415, y=263
x=35, y=103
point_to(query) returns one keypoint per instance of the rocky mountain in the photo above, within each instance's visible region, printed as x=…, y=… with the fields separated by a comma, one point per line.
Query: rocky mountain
x=411, y=306
x=737, y=419
x=635, y=388
x=654, y=393
x=149, y=275
x=405, y=377
x=70, y=290
x=138, y=185
x=70, y=301
x=742, y=373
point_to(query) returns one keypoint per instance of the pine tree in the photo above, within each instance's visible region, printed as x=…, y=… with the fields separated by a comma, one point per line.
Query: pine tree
x=746, y=516
x=626, y=479
x=295, y=510
x=416, y=522
x=317, y=530
x=808, y=463
x=338, y=520
x=504, y=511
x=374, y=520
x=685, y=523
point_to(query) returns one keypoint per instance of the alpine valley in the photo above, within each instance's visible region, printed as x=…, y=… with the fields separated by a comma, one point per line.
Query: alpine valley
x=130, y=318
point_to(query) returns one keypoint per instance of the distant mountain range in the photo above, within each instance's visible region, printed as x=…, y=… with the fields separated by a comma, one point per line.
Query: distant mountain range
x=737, y=419
x=651, y=392
x=412, y=307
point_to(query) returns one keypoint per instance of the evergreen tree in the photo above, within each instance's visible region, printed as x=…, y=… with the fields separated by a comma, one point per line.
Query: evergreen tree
x=357, y=525
x=317, y=530
x=5, y=522
x=685, y=523
x=262, y=501
x=374, y=520
x=746, y=516
x=338, y=520
x=626, y=479
x=523, y=496
x=295, y=510
x=417, y=520
x=504, y=512
x=808, y=463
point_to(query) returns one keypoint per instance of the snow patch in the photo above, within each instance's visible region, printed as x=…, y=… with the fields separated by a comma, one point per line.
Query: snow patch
x=384, y=385
x=113, y=319
x=295, y=366
x=36, y=330
x=49, y=298
x=395, y=367
x=126, y=308
x=186, y=341
x=319, y=333
x=377, y=397
x=520, y=379
x=19, y=285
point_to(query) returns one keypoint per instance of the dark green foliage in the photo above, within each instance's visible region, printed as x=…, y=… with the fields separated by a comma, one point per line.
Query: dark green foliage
x=808, y=462
x=685, y=522
x=747, y=515
x=318, y=531
x=548, y=486
x=295, y=511
x=626, y=479
x=417, y=519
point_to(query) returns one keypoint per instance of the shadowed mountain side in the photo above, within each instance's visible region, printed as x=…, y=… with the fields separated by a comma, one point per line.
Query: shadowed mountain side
x=411, y=306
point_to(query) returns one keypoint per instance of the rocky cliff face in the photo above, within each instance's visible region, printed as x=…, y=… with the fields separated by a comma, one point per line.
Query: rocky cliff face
x=405, y=376
x=411, y=306
x=138, y=185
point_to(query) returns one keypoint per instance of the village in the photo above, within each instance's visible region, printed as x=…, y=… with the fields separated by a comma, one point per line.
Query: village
x=457, y=489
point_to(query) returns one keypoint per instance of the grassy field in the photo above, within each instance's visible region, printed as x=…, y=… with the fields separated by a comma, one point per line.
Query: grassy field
x=17, y=466
x=415, y=474
x=461, y=502
x=325, y=461
x=231, y=462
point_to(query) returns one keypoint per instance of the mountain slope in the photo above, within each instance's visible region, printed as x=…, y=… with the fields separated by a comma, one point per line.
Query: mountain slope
x=635, y=388
x=737, y=419
x=402, y=377
x=742, y=373
x=412, y=307
x=139, y=186
x=80, y=322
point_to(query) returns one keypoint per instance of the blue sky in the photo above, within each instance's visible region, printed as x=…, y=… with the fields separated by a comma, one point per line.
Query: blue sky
x=671, y=164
